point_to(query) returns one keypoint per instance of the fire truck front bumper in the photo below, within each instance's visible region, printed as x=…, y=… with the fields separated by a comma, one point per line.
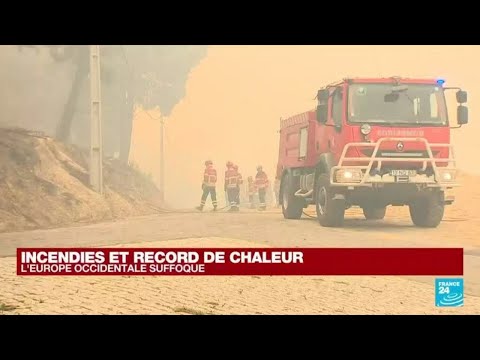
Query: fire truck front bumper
x=352, y=177
x=376, y=170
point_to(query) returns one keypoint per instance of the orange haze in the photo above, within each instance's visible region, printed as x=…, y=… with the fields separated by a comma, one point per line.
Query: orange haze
x=237, y=94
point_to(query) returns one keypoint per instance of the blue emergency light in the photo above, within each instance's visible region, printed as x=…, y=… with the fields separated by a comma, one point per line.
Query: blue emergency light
x=440, y=82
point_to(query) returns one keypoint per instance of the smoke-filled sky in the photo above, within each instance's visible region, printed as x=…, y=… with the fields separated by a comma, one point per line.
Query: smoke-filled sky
x=40, y=84
x=237, y=94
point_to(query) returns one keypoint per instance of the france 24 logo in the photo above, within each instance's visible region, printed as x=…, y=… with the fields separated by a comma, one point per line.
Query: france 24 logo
x=449, y=292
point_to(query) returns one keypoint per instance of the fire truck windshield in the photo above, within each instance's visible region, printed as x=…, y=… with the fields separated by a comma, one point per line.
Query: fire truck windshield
x=407, y=104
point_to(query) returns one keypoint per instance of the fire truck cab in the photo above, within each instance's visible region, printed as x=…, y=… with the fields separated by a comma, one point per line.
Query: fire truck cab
x=371, y=143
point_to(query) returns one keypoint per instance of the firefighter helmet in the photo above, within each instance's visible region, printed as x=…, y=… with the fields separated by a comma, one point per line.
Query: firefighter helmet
x=229, y=164
x=208, y=162
x=259, y=168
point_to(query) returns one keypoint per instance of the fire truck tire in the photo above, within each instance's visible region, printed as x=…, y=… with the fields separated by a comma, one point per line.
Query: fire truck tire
x=428, y=211
x=374, y=213
x=292, y=206
x=330, y=213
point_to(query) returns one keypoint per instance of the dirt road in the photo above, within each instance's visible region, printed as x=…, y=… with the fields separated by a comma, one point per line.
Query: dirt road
x=238, y=294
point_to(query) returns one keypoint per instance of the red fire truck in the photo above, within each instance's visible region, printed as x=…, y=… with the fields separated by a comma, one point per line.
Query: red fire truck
x=371, y=143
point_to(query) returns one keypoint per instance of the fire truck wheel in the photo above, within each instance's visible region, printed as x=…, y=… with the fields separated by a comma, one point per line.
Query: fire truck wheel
x=428, y=211
x=374, y=213
x=330, y=213
x=292, y=206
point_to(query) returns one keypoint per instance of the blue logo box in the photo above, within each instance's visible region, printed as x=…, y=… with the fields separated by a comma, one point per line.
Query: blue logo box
x=449, y=292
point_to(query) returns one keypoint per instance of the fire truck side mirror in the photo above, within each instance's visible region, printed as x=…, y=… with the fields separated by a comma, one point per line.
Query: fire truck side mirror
x=322, y=107
x=462, y=115
x=322, y=112
x=323, y=95
x=461, y=96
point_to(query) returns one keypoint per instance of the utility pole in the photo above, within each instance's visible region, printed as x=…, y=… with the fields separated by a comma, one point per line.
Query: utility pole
x=162, y=159
x=96, y=146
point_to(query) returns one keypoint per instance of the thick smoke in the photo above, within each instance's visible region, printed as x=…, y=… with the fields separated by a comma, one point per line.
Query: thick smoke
x=161, y=73
x=46, y=88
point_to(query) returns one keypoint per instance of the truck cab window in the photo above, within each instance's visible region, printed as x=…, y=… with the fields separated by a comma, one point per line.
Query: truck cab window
x=417, y=104
x=337, y=106
x=433, y=105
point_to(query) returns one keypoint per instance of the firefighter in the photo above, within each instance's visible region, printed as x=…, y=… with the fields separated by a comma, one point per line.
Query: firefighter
x=231, y=186
x=209, y=185
x=251, y=190
x=261, y=183
x=239, y=182
x=276, y=189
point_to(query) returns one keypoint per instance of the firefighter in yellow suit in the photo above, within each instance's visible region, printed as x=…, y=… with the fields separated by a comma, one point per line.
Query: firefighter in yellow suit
x=276, y=189
x=239, y=183
x=231, y=186
x=251, y=190
x=209, y=185
x=261, y=183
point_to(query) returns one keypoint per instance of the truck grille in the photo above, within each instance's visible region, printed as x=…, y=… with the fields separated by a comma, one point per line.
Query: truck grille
x=395, y=154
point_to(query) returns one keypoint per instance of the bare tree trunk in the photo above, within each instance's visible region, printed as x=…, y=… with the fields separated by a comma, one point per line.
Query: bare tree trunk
x=65, y=124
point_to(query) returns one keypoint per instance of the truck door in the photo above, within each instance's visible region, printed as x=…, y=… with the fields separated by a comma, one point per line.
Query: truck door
x=335, y=141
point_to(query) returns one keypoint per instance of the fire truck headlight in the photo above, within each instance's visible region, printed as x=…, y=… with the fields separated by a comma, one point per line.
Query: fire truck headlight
x=446, y=175
x=349, y=175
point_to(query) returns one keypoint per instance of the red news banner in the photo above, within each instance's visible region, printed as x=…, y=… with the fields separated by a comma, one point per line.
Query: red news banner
x=244, y=261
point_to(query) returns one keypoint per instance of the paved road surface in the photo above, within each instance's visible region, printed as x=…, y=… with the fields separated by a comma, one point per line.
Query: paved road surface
x=258, y=229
